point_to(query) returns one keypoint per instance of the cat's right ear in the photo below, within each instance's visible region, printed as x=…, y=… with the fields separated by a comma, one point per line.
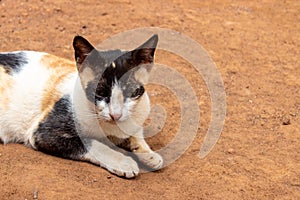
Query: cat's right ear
x=82, y=48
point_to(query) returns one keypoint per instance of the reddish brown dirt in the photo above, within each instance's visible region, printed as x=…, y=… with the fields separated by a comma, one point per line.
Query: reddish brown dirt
x=256, y=47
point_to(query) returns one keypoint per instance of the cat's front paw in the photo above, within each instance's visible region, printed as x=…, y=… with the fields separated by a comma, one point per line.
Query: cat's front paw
x=152, y=160
x=125, y=167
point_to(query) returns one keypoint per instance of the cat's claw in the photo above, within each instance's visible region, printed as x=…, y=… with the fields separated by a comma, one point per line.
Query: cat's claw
x=126, y=167
x=152, y=160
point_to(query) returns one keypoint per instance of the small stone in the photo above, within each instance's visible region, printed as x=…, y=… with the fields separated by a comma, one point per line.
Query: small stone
x=264, y=116
x=35, y=193
x=286, y=121
x=230, y=151
x=230, y=159
x=58, y=10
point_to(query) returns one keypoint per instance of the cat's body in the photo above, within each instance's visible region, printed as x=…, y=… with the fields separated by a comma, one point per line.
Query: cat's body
x=49, y=105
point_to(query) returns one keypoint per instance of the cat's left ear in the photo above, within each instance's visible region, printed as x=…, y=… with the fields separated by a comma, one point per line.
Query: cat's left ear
x=143, y=57
x=82, y=48
x=144, y=54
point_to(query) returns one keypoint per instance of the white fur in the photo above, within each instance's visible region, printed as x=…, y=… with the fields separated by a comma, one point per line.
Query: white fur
x=113, y=161
x=142, y=74
x=18, y=122
x=116, y=101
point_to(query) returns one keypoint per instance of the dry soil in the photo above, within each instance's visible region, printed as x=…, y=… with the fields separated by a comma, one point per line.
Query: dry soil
x=256, y=47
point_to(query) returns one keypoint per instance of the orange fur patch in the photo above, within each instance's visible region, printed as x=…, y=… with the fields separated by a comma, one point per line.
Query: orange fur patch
x=6, y=82
x=53, y=62
x=60, y=68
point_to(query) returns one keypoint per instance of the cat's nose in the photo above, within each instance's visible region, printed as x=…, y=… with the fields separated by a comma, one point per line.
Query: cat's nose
x=115, y=116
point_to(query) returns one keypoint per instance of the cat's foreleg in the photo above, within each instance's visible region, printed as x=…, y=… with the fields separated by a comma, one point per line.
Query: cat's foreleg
x=115, y=162
x=86, y=149
x=141, y=149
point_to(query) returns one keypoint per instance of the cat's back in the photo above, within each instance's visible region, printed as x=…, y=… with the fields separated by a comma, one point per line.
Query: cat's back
x=17, y=62
x=20, y=71
x=30, y=83
x=24, y=71
x=14, y=62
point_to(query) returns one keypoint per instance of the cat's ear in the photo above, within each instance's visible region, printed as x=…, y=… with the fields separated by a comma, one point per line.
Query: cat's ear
x=144, y=54
x=82, y=48
x=143, y=57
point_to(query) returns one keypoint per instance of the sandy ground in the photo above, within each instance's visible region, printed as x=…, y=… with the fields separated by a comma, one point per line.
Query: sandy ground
x=256, y=47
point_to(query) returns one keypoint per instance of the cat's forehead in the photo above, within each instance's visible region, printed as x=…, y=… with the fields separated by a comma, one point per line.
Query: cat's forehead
x=115, y=65
x=111, y=55
x=108, y=63
x=118, y=73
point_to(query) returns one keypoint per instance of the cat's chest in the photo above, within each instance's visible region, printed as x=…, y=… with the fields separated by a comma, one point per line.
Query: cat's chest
x=122, y=130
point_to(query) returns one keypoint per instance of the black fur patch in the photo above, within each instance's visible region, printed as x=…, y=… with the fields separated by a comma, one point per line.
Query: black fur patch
x=120, y=67
x=12, y=62
x=57, y=134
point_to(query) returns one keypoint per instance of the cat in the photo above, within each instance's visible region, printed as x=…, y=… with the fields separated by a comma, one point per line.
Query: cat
x=80, y=110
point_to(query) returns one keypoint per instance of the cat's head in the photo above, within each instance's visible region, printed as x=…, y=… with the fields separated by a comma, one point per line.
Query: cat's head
x=113, y=81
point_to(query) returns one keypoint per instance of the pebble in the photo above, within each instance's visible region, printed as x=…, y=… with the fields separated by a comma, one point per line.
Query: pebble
x=230, y=151
x=286, y=121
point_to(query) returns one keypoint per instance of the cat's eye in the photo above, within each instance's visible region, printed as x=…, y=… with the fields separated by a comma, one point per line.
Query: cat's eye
x=138, y=92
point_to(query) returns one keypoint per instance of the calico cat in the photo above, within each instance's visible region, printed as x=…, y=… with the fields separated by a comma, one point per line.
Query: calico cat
x=81, y=114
